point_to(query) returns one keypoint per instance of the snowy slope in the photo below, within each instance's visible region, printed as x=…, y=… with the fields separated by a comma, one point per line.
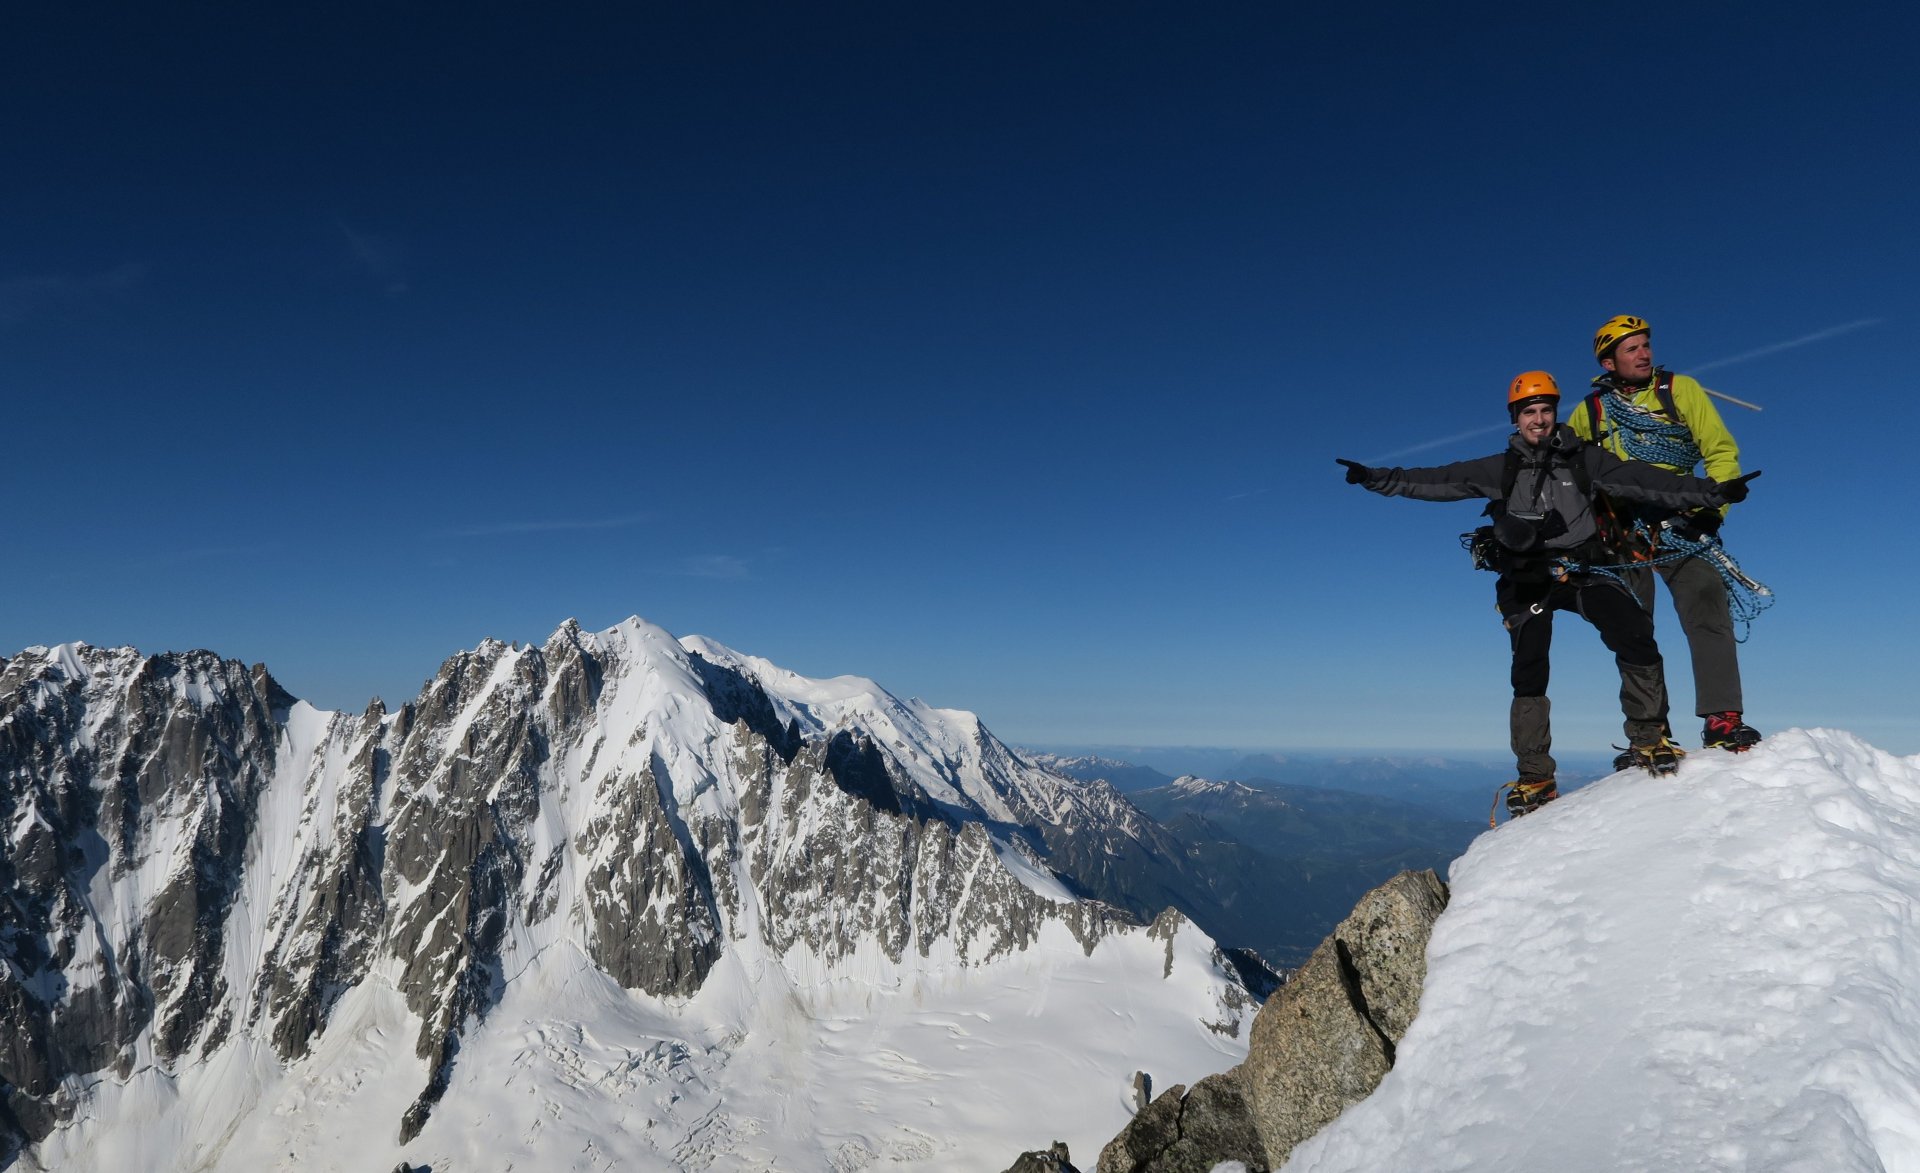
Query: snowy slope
x=946, y=752
x=1715, y=972
x=954, y=1069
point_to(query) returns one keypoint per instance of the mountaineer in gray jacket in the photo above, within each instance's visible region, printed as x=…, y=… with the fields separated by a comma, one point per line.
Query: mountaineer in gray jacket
x=1546, y=533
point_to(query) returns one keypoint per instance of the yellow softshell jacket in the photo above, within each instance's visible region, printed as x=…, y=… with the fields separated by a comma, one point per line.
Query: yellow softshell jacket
x=1717, y=447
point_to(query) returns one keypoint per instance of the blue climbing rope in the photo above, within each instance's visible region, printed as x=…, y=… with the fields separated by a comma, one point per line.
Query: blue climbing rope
x=1747, y=596
x=1645, y=436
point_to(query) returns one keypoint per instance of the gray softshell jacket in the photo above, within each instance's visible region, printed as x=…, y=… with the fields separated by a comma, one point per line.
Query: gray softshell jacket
x=1546, y=483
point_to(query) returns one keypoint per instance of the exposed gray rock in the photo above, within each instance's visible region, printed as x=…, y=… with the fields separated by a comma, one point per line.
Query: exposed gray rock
x=654, y=926
x=1053, y=1159
x=323, y=950
x=97, y=749
x=1384, y=941
x=1319, y=1045
x=1188, y=1130
x=25, y=1118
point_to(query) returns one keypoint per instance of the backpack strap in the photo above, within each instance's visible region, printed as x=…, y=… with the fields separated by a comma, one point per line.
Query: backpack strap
x=1582, y=475
x=1663, y=387
x=1597, y=415
x=1509, y=476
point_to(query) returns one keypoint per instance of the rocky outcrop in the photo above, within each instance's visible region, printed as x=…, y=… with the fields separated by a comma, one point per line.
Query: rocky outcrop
x=1053, y=1159
x=1319, y=1045
x=1187, y=1129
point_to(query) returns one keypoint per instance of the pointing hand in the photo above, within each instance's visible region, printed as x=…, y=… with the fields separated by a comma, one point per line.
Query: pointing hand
x=1358, y=473
x=1735, y=491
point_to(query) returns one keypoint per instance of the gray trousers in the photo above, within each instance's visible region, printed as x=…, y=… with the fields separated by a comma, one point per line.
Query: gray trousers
x=1700, y=600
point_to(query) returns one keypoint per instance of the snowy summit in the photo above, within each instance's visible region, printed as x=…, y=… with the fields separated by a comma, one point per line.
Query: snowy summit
x=1714, y=972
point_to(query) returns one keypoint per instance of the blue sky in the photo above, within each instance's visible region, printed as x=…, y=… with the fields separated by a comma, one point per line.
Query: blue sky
x=1000, y=353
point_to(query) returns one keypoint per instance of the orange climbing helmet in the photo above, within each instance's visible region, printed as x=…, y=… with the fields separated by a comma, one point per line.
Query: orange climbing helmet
x=1528, y=386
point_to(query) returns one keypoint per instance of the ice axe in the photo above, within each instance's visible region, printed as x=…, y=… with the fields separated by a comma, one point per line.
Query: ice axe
x=1731, y=399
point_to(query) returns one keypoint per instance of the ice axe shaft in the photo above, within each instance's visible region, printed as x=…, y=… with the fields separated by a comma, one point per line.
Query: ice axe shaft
x=1731, y=399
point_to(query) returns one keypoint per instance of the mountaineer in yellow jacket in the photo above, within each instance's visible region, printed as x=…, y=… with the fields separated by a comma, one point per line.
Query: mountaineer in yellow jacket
x=1639, y=411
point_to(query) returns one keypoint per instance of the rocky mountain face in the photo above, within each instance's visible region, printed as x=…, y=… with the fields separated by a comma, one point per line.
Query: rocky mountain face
x=193, y=856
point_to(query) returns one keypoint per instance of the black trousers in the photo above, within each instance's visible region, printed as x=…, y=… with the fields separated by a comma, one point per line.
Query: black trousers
x=1527, y=608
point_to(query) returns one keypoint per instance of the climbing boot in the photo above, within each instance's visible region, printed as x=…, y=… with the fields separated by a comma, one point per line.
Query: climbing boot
x=1528, y=795
x=1661, y=757
x=1727, y=731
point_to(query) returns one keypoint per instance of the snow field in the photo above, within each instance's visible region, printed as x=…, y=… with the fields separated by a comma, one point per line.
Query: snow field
x=951, y=1068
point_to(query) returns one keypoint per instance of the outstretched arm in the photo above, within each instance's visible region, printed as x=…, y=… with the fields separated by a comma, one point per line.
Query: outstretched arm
x=1635, y=480
x=1448, y=482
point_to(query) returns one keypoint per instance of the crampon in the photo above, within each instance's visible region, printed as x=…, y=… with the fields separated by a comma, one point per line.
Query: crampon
x=1661, y=757
x=1523, y=797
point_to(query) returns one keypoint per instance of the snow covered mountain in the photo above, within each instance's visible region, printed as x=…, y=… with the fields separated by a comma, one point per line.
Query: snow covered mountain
x=620, y=900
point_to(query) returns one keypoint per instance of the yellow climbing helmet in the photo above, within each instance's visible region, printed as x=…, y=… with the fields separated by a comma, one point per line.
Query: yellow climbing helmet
x=1617, y=329
x=1528, y=386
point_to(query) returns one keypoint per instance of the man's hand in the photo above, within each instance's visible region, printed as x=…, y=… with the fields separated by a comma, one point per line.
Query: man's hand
x=1357, y=473
x=1698, y=525
x=1735, y=491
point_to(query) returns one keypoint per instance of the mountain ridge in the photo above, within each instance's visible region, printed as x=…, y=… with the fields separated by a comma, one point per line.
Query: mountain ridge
x=204, y=866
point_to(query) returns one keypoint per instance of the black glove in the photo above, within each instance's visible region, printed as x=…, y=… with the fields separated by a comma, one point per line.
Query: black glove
x=1735, y=491
x=1357, y=473
x=1698, y=525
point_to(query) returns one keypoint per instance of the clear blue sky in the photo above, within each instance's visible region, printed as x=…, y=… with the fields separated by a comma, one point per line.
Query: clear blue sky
x=998, y=352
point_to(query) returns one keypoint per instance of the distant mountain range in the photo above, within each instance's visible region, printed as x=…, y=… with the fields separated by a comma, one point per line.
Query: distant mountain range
x=1449, y=784
x=1322, y=831
x=1287, y=860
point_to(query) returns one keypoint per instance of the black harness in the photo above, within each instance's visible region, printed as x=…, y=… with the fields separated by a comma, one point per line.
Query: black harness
x=1511, y=545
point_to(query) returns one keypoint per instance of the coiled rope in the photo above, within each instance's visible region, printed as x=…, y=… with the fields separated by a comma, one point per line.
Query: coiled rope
x=1747, y=596
x=1645, y=436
